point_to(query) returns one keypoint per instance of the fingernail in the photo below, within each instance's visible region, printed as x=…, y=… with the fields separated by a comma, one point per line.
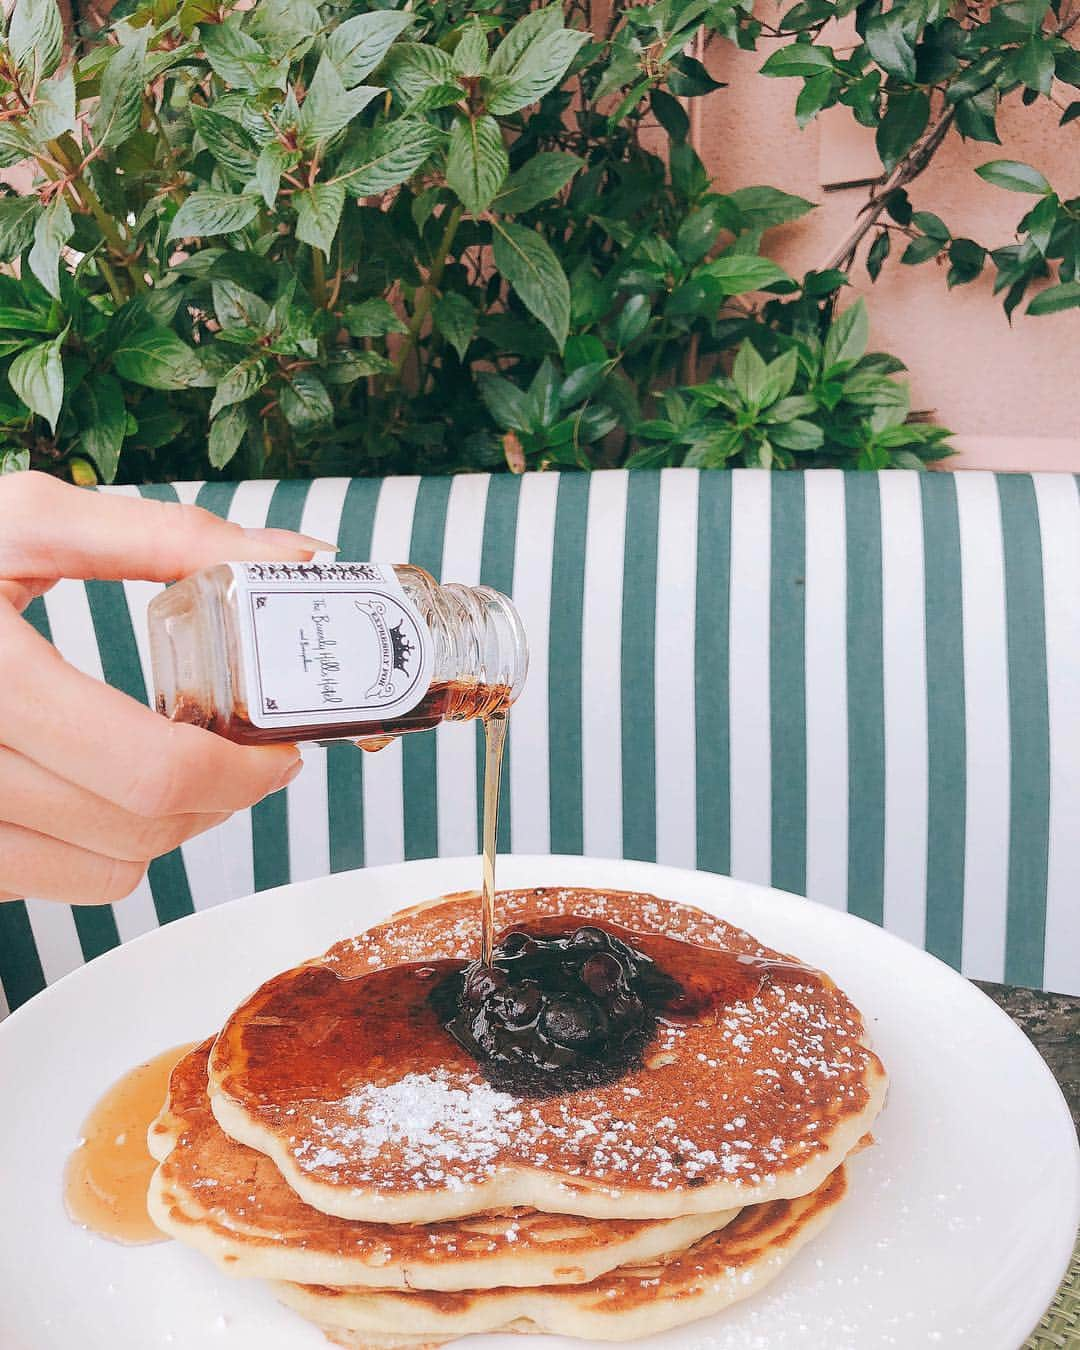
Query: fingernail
x=289, y=539
x=290, y=773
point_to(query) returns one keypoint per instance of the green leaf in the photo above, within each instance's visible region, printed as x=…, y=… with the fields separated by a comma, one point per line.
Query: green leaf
x=470, y=56
x=229, y=142
x=274, y=160
x=237, y=307
x=192, y=13
x=888, y=43
x=1056, y=298
x=35, y=37
x=1033, y=64
x=328, y=106
x=1071, y=113
x=305, y=402
x=797, y=434
x=932, y=225
x=1011, y=174
x=967, y=258
x=477, y=164
x=670, y=113
x=505, y=401
x=904, y=122
x=455, y=319
x=413, y=68
x=799, y=58
x=530, y=266
x=358, y=45
x=538, y=179
x=631, y=321
x=98, y=405
x=156, y=357
x=24, y=320
x=17, y=219
x=779, y=378
x=760, y=208
x=879, y=251
x=244, y=379
x=537, y=72
x=119, y=109
x=922, y=250
x=378, y=159
x=847, y=337
x=209, y=213
x=975, y=117
x=817, y=93
x=584, y=350
x=238, y=59
x=226, y=432
x=1040, y=221
x=37, y=377
x=749, y=373
x=318, y=213
x=14, y=461
x=373, y=318
x=345, y=367
x=533, y=27
x=15, y=145
x=737, y=273
x=53, y=228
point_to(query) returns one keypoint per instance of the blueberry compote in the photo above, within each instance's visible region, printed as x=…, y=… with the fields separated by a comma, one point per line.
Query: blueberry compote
x=556, y=1012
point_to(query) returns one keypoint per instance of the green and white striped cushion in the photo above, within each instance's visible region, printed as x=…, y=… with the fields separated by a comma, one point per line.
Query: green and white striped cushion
x=864, y=688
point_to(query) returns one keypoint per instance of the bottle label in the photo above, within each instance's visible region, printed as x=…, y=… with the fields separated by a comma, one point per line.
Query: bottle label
x=324, y=643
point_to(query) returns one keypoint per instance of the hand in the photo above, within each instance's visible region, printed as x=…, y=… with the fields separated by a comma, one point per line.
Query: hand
x=93, y=785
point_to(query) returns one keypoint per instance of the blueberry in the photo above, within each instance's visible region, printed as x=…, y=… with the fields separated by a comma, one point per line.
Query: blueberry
x=591, y=939
x=483, y=981
x=516, y=944
x=518, y=1005
x=601, y=973
x=573, y=1024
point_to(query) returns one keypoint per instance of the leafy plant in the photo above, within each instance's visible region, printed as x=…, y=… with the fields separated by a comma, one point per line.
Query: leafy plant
x=922, y=72
x=827, y=399
x=297, y=239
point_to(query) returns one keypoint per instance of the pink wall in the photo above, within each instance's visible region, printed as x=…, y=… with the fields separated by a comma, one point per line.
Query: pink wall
x=1009, y=393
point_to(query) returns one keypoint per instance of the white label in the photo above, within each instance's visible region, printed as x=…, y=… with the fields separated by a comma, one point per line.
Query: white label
x=329, y=642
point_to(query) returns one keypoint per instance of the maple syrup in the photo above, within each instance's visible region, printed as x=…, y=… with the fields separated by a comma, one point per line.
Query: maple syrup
x=108, y=1173
x=495, y=725
x=311, y=1026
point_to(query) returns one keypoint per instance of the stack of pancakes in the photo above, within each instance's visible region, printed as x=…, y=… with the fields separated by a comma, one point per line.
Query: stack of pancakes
x=407, y=1202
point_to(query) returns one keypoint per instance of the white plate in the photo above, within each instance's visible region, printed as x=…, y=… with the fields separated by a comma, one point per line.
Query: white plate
x=957, y=1232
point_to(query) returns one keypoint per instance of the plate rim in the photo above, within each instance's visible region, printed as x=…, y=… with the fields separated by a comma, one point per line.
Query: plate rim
x=94, y=970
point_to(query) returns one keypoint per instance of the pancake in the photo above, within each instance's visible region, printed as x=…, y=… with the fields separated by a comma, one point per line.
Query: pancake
x=230, y=1203
x=758, y=1100
x=624, y=1305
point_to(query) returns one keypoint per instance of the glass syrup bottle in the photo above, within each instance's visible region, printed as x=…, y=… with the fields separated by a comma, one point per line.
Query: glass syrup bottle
x=269, y=652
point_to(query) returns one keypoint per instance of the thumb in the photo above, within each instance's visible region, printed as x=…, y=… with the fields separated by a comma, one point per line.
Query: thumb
x=50, y=529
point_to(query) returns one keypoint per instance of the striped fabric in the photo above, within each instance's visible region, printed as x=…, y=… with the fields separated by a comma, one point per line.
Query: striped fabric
x=863, y=688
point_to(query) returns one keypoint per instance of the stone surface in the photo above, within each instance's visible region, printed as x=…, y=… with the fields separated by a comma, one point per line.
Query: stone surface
x=1052, y=1024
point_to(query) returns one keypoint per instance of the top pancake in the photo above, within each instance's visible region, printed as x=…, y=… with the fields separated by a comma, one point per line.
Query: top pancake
x=754, y=1101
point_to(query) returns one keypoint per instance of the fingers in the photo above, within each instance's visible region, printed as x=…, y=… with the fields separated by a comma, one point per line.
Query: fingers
x=52, y=870
x=35, y=798
x=20, y=593
x=52, y=529
x=101, y=740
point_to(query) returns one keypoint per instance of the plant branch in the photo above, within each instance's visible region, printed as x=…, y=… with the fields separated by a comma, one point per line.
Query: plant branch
x=318, y=277
x=119, y=245
x=425, y=296
x=916, y=160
